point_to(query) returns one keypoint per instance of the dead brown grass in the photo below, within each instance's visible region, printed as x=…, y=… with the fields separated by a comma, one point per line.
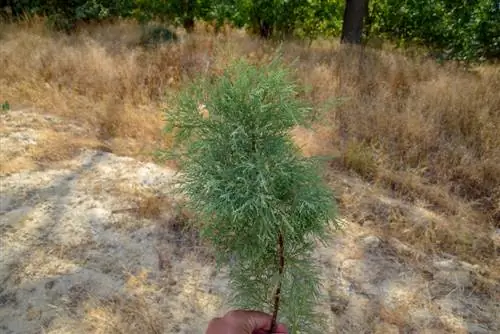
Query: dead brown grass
x=93, y=77
x=416, y=117
x=427, y=132
x=56, y=146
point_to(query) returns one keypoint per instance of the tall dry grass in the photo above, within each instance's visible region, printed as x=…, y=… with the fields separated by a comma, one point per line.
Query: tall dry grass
x=99, y=76
x=428, y=132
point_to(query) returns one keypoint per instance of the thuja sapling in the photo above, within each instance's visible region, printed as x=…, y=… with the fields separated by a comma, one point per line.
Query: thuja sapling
x=260, y=204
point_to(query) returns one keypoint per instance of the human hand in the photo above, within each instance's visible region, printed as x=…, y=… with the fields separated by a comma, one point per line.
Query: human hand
x=244, y=322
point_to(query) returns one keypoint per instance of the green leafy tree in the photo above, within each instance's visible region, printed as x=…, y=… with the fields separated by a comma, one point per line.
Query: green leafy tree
x=222, y=11
x=284, y=18
x=320, y=18
x=179, y=12
x=260, y=204
x=466, y=30
x=65, y=15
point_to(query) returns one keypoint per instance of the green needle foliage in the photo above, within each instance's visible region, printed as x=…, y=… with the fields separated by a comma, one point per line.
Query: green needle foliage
x=259, y=202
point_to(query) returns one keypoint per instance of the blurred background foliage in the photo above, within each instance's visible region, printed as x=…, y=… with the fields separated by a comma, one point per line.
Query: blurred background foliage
x=453, y=29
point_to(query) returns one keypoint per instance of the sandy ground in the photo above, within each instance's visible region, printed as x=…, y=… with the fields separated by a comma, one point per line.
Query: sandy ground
x=94, y=244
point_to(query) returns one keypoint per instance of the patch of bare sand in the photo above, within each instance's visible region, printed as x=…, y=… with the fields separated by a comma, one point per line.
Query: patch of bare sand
x=73, y=260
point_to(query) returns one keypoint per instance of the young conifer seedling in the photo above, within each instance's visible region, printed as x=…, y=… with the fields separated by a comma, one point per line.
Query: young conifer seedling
x=260, y=204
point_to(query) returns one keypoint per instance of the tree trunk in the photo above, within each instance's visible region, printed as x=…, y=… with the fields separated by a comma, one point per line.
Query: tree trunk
x=352, y=27
x=265, y=29
x=189, y=13
x=188, y=24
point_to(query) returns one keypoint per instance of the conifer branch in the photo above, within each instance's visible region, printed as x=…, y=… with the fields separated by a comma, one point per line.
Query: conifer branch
x=239, y=162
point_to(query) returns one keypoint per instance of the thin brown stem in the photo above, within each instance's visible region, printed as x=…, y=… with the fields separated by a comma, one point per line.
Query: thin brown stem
x=277, y=293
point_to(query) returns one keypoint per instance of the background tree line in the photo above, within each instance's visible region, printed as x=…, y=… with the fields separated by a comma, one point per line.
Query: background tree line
x=458, y=29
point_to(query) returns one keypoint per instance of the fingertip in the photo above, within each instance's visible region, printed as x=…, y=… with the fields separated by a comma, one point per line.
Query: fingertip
x=281, y=329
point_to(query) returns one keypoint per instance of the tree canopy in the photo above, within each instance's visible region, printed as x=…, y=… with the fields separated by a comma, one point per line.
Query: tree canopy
x=465, y=30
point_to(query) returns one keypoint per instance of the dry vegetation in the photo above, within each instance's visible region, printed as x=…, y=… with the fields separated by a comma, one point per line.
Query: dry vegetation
x=428, y=134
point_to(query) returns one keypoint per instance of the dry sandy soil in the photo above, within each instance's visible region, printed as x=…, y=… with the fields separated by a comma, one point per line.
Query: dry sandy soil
x=96, y=243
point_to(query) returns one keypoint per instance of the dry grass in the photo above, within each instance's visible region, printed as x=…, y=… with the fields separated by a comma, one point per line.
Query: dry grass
x=56, y=146
x=415, y=117
x=427, y=132
x=136, y=311
x=95, y=78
